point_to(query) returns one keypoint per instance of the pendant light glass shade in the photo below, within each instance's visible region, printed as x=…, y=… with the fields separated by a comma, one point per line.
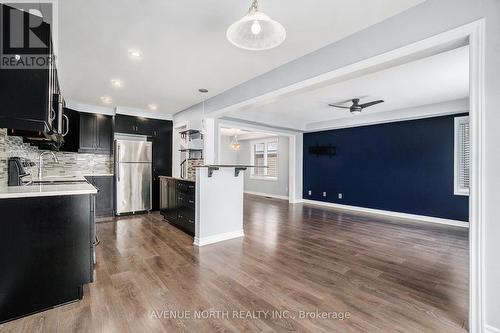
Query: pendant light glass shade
x=235, y=145
x=256, y=31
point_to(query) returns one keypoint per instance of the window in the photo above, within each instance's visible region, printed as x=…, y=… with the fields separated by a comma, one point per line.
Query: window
x=265, y=153
x=462, y=156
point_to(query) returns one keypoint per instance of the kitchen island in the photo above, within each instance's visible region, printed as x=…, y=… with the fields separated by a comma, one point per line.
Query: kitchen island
x=177, y=202
x=46, y=245
x=211, y=208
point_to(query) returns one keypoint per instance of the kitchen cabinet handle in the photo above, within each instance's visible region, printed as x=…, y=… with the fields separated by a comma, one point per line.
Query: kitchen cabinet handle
x=67, y=125
x=52, y=115
x=191, y=201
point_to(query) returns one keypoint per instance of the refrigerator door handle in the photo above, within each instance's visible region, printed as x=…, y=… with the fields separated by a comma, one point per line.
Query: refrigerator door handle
x=118, y=161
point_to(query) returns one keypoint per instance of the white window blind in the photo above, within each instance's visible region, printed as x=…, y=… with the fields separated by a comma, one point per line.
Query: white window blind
x=462, y=155
x=265, y=153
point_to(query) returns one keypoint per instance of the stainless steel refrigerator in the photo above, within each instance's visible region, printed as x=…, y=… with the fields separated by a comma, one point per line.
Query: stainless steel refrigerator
x=133, y=176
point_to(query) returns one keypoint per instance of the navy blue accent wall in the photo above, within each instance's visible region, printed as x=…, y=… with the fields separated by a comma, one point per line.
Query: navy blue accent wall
x=403, y=167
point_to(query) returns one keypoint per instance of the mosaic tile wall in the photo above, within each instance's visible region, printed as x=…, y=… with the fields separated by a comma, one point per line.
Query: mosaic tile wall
x=191, y=167
x=69, y=163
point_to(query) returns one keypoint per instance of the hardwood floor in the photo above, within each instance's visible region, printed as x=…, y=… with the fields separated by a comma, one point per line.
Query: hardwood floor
x=389, y=275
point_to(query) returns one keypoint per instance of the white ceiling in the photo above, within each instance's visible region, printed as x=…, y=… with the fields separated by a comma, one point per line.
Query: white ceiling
x=436, y=79
x=244, y=134
x=184, y=45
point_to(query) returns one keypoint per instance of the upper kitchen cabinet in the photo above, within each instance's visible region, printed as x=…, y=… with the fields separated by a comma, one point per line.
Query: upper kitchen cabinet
x=89, y=133
x=134, y=125
x=29, y=93
x=126, y=124
x=139, y=125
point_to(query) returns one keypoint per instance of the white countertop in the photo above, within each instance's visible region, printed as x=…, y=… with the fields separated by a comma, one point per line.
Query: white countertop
x=48, y=190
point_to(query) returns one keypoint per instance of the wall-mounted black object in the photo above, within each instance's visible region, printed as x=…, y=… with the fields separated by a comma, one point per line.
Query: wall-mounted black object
x=17, y=171
x=30, y=97
x=88, y=133
x=323, y=150
x=178, y=203
x=47, y=252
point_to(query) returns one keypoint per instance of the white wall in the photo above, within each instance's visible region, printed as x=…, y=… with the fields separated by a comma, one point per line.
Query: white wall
x=226, y=154
x=277, y=187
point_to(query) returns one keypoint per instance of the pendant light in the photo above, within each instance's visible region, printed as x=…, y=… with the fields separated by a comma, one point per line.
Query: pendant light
x=256, y=31
x=235, y=145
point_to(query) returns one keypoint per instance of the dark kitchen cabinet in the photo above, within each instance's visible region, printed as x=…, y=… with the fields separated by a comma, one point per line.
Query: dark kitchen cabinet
x=27, y=94
x=89, y=133
x=134, y=125
x=162, y=148
x=126, y=124
x=104, y=134
x=105, y=197
x=140, y=125
x=47, y=252
x=178, y=203
x=96, y=132
x=162, y=155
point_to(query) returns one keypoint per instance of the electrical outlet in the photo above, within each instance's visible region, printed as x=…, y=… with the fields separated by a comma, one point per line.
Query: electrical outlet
x=309, y=192
x=340, y=195
x=324, y=194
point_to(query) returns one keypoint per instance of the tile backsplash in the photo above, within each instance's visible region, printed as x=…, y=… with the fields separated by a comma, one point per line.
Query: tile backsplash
x=192, y=163
x=69, y=163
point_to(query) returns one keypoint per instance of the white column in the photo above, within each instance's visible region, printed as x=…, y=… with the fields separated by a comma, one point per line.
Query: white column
x=219, y=206
x=209, y=141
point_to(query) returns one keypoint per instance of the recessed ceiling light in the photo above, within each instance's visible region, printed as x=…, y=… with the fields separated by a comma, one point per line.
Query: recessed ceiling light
x=153, y=107
x=116, y=83
x=135, y=54
x=106, y=99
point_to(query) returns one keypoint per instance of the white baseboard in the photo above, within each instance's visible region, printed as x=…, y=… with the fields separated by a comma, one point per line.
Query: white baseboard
x=275, y=196
x=491, y=329
x=218, y=238
x=389, y=213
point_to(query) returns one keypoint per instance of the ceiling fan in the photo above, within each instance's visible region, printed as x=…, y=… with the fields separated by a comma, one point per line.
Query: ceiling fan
x=356, y=108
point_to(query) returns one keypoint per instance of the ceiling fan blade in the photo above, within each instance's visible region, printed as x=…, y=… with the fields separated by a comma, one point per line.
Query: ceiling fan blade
x=371, y=103
x=339, y=106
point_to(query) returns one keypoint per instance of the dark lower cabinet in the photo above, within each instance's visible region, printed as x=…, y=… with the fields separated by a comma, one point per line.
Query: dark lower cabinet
x=105, y=197
x=178, y=203
x=47, y=252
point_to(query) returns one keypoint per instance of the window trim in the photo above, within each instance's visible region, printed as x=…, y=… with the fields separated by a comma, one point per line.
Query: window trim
x=456, y=188
x=265, y=141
